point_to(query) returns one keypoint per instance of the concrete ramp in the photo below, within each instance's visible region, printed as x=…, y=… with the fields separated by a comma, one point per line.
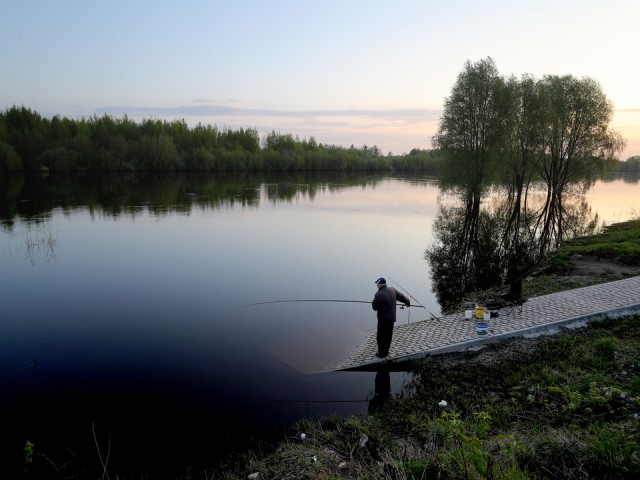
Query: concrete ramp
x=545, y=314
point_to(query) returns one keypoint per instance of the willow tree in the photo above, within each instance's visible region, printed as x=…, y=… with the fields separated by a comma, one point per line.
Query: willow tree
x=522, y=153
x=470, y=135
x=575, y=137
x=472, y=125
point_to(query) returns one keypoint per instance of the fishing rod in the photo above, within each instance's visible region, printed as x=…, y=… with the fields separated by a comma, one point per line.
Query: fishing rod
x=305, y=300
x=416, y=300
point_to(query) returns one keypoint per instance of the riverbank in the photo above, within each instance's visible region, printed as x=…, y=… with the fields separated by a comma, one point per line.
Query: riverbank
x=566, y=406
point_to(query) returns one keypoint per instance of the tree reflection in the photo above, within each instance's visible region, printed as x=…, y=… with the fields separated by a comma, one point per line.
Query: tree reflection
x=482, y=243
x=465, y=253
x=131, y=194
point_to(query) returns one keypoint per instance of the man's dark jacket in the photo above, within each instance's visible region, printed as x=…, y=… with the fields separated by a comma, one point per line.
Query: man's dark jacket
x=384, y=303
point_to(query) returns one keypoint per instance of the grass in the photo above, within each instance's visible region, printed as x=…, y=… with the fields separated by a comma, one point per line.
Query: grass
x=619, y=241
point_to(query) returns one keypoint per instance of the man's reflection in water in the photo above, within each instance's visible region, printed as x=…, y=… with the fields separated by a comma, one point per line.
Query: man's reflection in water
x=382, y=392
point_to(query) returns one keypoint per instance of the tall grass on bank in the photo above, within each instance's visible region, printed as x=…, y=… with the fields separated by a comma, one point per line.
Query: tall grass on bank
x=41, y=240
x=620, y=241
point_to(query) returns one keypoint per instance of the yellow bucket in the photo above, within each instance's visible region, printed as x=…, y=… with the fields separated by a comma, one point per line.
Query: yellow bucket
x=480, y=312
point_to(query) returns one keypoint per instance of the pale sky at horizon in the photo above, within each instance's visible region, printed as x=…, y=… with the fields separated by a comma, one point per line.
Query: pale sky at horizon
x=345, y=72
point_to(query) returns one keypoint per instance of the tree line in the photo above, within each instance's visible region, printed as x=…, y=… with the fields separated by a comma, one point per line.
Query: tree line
x=31, y=142
x=630, y=165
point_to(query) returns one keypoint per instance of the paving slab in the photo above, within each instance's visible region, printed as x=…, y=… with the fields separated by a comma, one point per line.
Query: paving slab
x=538, y=315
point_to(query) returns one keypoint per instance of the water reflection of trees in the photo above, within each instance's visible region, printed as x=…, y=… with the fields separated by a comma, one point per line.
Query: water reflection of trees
x=632, y=178
x=483, y=242
x=30, y=198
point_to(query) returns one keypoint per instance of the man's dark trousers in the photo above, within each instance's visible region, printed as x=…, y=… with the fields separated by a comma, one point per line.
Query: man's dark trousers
x=385, y=332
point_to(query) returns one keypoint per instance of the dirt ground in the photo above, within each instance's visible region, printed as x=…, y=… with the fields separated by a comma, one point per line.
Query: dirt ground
x=589, y=270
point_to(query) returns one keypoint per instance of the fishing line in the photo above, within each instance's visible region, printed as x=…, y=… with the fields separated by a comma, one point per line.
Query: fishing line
x=411, y=296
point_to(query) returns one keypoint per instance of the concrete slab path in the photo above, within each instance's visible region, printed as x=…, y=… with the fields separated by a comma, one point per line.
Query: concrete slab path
x=543, y=314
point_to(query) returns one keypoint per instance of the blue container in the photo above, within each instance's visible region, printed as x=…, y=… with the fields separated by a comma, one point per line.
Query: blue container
x=482, y=328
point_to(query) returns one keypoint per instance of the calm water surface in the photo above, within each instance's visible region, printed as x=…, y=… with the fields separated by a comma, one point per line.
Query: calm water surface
x=119, y=310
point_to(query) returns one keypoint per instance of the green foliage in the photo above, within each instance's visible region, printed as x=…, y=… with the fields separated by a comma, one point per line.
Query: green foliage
x=465, y=443
x=9, y=160
x=29, y=141
x=559, y=263
x=619, y=241
x=429, y=161
x=26, y=131
x=605, y=349
x=58, y=159
x=28, y=453
x=158, y=152
x=613, y=452
x=631, y=165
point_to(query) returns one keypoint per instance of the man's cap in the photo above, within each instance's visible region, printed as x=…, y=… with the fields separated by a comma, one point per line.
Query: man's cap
x=381, y=281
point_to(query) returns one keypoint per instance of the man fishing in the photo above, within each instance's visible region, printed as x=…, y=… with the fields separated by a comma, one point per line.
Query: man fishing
x=384, y=303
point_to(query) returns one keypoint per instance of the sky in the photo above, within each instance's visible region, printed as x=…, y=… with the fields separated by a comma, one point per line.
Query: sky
x=346, y=72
